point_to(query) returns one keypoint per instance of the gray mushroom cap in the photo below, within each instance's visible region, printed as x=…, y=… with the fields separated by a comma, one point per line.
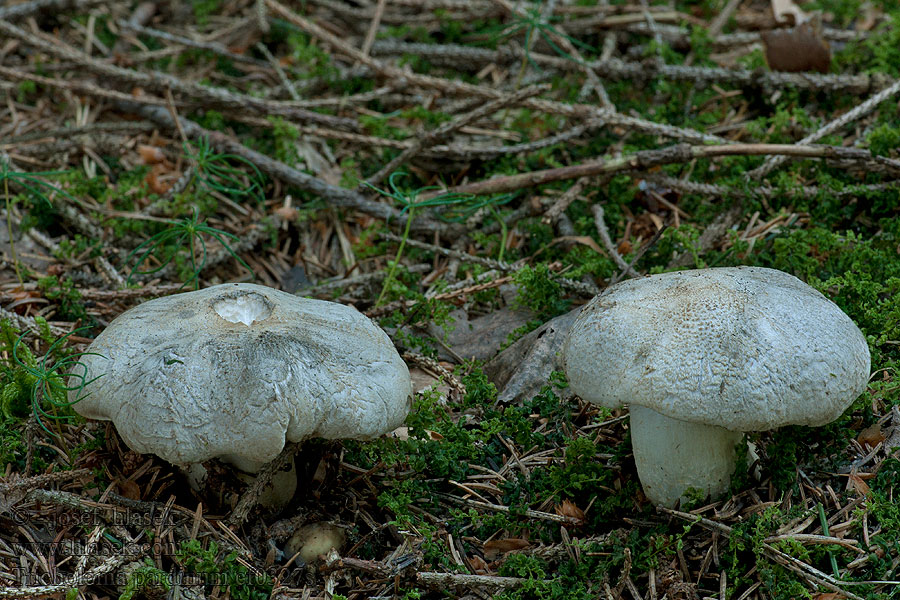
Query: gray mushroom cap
x=235, y=370
x=744, y=348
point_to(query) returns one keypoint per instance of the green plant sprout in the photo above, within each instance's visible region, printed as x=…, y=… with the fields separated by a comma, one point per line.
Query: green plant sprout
x=51, y=377
x=532, y=21
x=411, y=203
x=33, y=184
x=191, y=231
x=464, y=206
x=474, y=205
x=216, y=174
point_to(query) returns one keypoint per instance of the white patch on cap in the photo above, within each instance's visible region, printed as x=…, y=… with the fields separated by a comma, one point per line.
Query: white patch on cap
x=244, y=308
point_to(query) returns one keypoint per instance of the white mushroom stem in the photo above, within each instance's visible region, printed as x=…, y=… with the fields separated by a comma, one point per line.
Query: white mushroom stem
x=673, y=456
x=280, y=489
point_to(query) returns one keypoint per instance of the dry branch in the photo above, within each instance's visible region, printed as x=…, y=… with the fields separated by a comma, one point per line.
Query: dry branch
x=213, y=96
x=445, y=131
x=681, y=153
x=27, y=9
x=468, y=58
x=460, y=88
x=333, y=194
x=857, y=113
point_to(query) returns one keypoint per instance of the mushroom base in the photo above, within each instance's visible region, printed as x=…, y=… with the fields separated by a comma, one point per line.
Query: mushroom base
x=674, y=456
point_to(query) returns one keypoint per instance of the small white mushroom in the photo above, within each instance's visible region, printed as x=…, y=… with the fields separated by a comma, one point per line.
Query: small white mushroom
x=314, y=540
x=702, y=356
x=235, y=370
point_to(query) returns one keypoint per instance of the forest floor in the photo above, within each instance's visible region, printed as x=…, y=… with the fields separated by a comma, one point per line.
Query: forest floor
x=466, y=173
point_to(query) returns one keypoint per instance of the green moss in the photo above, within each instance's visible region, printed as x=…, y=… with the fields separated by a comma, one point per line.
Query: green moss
x=284, y=140
x=12, y=446
x=747, y=538
x=884, y=140
x=310, y=61
x=78, y=246
x=539, y=292
x=877, y=53
x=146, y=578
x=220, y=569
x=203, y=9
x=68, y=298
x=24, y=90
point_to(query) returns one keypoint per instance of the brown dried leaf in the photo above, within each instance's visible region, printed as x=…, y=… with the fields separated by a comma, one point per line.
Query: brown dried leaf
x=584, y=240
x=801, y=48
x=150, y=155
x=479, y=565
x=871, y=435
x=130, y=490
x=861, y=487
x=496, y=548
x=657, y=221
x=868, y=17
x=321, y=471
x=288, y=213
x=571, y=510
x=157, y=185
x=829, y=596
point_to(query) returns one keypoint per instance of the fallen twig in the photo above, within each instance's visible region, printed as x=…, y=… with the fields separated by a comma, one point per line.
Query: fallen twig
x=681, y=153
x=336, y=195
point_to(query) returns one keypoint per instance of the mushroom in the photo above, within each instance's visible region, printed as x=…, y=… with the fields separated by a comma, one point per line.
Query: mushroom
x=235, y=370
x=702, y=356
x=314, y=540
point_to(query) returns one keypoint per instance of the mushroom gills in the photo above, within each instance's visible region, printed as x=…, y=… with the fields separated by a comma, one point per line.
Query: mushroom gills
x=674, y=456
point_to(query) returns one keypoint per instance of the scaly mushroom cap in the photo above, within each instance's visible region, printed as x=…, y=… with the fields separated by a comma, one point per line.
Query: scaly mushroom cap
x=744, y=348
x=234, y=370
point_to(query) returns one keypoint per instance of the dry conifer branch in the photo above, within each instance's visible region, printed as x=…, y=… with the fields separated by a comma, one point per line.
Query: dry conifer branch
x=363, y=279
x=26, y=9
x=336, y=195
x=107, y=566
x=489, y=152
x=608, y=244
x=162, y=81
x=464, y=256
x=445, y=580
x=190, y=43
x=713, y=189
x=533, y=514
x=578, y=111
x=857, y=113
x=125, y=294
x=571, y=284
x=263, y=478
x=77, y=86
x=438, y=369
x=110, y=271
x=559, y=207
x=38, y=481
x=454, y=150
x=445, y=131
x=25, y=322
x=680, y=37
x=90, y=128
x=471, y=289
x=468, y=58
x=721, y=19
x=681, y=153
